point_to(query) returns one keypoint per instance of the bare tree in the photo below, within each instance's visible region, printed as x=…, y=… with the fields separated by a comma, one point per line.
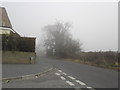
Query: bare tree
x=59, y=42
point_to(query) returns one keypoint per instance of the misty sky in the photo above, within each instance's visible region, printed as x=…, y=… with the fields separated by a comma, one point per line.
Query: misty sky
x=95, y=24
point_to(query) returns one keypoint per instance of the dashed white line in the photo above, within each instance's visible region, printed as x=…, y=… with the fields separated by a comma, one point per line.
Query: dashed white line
x=70, y=83
x=62, y=78
x=89, y=87
x=36, y=76
x=71, y=77
x=65, y=73
x=59, y=70
x=57, y=74
x=80, y=82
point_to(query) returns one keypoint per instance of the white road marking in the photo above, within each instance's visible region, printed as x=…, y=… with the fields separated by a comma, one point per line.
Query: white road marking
x=71, y=77
x=57, y=74
x=36, y=76
x=70, y=83
x=65, y=73
x=62, y=78
x=80, y=82
x=89, y=87
x=59, y=70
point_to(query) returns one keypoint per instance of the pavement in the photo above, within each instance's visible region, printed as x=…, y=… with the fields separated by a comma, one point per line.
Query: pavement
x=17, y=70
x=65, y=75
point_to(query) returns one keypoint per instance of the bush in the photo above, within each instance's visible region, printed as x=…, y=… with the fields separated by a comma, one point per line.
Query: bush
x=10, y=43
x=16, y=43
x=101, y=58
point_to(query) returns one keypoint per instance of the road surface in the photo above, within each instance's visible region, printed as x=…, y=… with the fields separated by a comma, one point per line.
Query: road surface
x=69, y=75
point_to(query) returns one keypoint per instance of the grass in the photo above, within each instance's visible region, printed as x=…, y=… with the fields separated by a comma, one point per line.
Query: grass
x=104, y=65
x=15, y=57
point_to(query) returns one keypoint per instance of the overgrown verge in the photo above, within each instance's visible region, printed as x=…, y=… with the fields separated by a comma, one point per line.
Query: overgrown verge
x=107, y=59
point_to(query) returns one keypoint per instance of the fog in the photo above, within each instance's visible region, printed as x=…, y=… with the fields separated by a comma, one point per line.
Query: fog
x=95, y=24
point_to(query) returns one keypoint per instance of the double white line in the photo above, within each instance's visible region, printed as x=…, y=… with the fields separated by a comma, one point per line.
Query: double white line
x=68, y=82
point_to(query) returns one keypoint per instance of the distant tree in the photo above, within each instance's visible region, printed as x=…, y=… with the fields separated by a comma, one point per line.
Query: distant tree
x=59, y=42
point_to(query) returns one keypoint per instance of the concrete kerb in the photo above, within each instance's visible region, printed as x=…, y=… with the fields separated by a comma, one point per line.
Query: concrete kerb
x=25, y=77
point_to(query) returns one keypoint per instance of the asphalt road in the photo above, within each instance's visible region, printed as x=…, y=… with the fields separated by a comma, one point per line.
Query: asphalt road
x=70, y=75
x=16, y=70
x=93, y=76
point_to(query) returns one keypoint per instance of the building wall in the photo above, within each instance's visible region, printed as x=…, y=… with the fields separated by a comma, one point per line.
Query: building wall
x=4, y=31
x=15, y=57
x=16, y=49
x=27, y=44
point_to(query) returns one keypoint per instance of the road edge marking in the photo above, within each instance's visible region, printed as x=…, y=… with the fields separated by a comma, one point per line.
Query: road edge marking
x=60, y=70
x=57, y=74
x=70, y=83
x=71, y=77
x=63, y=78
x=78, y=81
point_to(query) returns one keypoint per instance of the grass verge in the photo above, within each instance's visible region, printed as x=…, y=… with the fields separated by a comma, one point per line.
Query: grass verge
x=108, y=66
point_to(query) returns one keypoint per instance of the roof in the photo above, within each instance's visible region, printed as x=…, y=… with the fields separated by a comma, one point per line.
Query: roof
x=4, y=19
